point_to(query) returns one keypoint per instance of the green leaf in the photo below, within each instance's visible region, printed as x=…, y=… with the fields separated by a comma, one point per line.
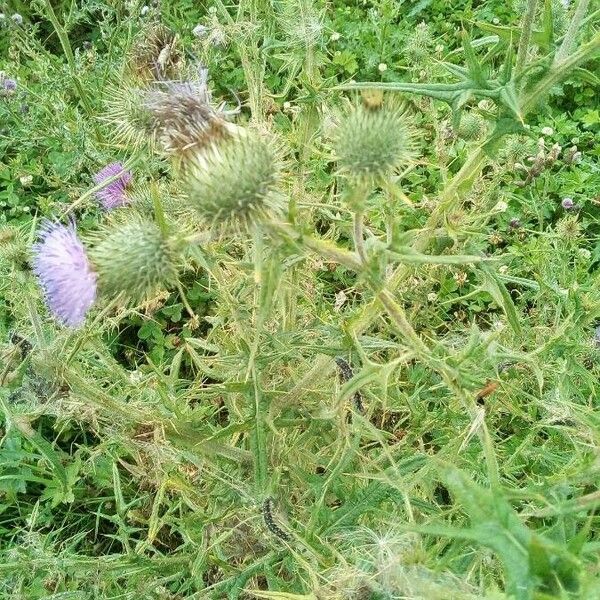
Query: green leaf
x=476, y=72
x=499, y=293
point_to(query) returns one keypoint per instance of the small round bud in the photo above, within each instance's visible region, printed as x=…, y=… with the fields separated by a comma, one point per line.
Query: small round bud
x=234, y=184
x=134, y=258
x=471, y=126
x=373, y=142
x=567, y=203
x=17, y=18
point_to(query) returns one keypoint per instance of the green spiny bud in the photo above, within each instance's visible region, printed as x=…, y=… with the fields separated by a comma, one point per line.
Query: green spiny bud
x=134, y=258
x=372, y=143
x=13, y=246
x=234, y=184
x=471, y=126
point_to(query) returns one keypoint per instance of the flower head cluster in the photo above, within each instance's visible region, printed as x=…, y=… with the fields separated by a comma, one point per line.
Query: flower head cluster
x=114, y=193
x=65, y=274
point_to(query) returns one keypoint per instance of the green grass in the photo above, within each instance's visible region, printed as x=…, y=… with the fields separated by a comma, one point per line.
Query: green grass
x=205, y=443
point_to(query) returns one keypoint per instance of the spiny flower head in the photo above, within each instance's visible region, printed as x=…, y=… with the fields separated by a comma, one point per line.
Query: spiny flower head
x=234, y=184
x=134, y=258
x=64, y=273
x=113, y=194
x=373, y=142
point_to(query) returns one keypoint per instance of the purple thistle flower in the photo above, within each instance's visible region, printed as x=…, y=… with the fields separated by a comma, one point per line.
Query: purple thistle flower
x=64, y=273
x=113, y=195
x=568, y=203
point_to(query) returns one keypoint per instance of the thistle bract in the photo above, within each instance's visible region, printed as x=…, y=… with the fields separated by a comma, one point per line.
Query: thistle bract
x=113, y=194
x=64, y=273
x=235, y=183
x=134, y=259
x=373, y=142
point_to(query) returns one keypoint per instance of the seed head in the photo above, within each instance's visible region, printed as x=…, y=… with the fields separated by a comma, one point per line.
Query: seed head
x=182, y=118
x=156, y=54
x=372, y=143
x=114, y=194
x=235, y=183
x=134, y=259
x=64, y=273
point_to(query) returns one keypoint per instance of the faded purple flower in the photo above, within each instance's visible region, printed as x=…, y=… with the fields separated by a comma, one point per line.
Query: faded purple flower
x=567, y=203
x=514, y=223
x=64, y=272
x=113, y=195
x=10, y=85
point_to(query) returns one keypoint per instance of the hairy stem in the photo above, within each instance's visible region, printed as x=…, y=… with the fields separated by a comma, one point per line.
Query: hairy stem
x=525, y=37
x=359, y=236
x=569, y=40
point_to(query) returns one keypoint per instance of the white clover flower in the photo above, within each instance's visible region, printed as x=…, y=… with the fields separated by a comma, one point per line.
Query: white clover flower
x=432, y=297
x=382, y=67
x=547, y=131
x=335, y=36
x=501, y=206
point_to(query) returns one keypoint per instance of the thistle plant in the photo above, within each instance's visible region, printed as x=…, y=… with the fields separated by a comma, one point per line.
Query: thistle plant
x=236, y=453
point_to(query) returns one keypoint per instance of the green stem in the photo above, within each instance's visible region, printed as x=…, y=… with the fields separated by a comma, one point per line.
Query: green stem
x=569, y=40
x=359, y=236
x=259, y=438
x=525, y=37
x=66, y=46
x=327, y=250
